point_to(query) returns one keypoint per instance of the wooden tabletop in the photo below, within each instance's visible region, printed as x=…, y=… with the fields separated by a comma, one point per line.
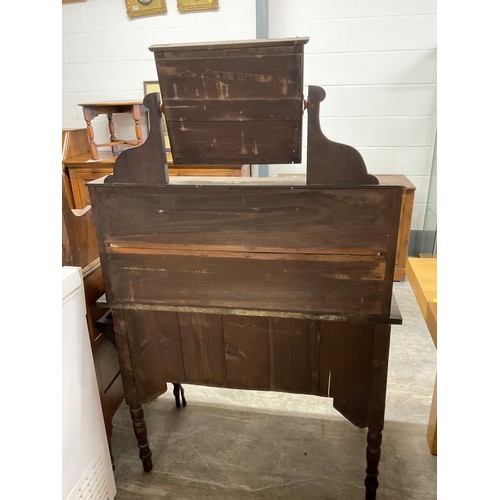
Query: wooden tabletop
x=422, y=275
x=111, y=103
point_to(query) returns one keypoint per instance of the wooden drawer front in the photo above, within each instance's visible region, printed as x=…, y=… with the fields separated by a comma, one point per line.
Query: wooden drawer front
x=79, y=177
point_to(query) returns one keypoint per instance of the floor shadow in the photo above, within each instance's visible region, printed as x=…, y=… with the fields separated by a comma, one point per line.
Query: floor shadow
x=206, y=451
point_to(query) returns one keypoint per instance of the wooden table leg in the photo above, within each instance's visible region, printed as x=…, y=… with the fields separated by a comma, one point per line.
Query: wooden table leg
x=141, y=433
x=136, y=113
x=178, y=394
x=381, y=341
x=373, y=450
x=112, y=136
x=90, y=133
x=432, y=426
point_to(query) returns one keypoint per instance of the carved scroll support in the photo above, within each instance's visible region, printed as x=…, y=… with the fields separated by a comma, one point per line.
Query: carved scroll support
x=141, y=434
x=147, y=163
x=328, y=162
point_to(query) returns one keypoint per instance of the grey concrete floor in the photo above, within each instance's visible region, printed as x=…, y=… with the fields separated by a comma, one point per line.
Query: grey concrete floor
x=232, y=444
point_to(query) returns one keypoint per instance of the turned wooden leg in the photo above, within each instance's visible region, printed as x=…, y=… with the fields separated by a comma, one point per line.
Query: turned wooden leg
x=90, y=135
x=136, y=114
x=141, y=433
x=177, y=388
x=112, y=136
x=374, y=441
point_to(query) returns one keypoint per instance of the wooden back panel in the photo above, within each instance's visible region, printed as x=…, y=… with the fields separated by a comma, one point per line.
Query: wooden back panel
x=262, y=249
x=233, y=102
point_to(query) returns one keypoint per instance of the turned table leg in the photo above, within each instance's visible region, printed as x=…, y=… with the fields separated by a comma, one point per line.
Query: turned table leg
x=381, y=341
x=112, y=136
x=374, y=442
x=87, y=115
x=178, y=388
x=136, y=114
x=141, y=433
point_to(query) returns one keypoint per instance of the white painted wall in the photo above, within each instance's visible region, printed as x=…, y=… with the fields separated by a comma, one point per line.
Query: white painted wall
x=105, y=54
x=375, y=59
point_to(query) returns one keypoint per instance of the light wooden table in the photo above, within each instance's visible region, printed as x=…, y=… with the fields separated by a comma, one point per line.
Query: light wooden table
x=91, y=110
x=422, y=275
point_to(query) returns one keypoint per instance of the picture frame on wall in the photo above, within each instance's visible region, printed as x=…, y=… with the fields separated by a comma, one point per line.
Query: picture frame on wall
x=151, y=86
x=140, y=8
x=197, y=5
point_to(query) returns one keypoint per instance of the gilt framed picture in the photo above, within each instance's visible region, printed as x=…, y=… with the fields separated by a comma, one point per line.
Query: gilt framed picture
x=197, y=5
x=140, y=8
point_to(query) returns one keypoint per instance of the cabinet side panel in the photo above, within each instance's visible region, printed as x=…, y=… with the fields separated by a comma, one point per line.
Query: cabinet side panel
x=155, y=349
x=346, y=357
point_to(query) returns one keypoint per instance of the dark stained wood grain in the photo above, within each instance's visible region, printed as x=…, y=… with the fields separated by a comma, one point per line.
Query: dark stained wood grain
x=233, y=102
x=240, y=142
x=236, y=75
x=145, y=163
x=277, y=284
x=222, y=246
x=294, y=355
x=353, y=221
x=261, y=109
x=125, y=357
x=246, y=345
x=155, y=346
x=346, y=356
x=330, y=162
x=203, y=348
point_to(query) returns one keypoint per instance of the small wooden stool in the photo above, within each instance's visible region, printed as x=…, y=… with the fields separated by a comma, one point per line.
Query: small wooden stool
x=91, y=110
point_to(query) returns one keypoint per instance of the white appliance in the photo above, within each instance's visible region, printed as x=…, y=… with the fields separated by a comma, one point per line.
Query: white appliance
x=86, y=464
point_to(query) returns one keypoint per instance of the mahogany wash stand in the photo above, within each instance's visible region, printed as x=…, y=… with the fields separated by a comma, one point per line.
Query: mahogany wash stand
x=253, y=283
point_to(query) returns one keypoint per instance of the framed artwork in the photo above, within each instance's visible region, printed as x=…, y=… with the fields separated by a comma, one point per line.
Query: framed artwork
x=197, y=5
x=153, y=86
x=140, y=8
